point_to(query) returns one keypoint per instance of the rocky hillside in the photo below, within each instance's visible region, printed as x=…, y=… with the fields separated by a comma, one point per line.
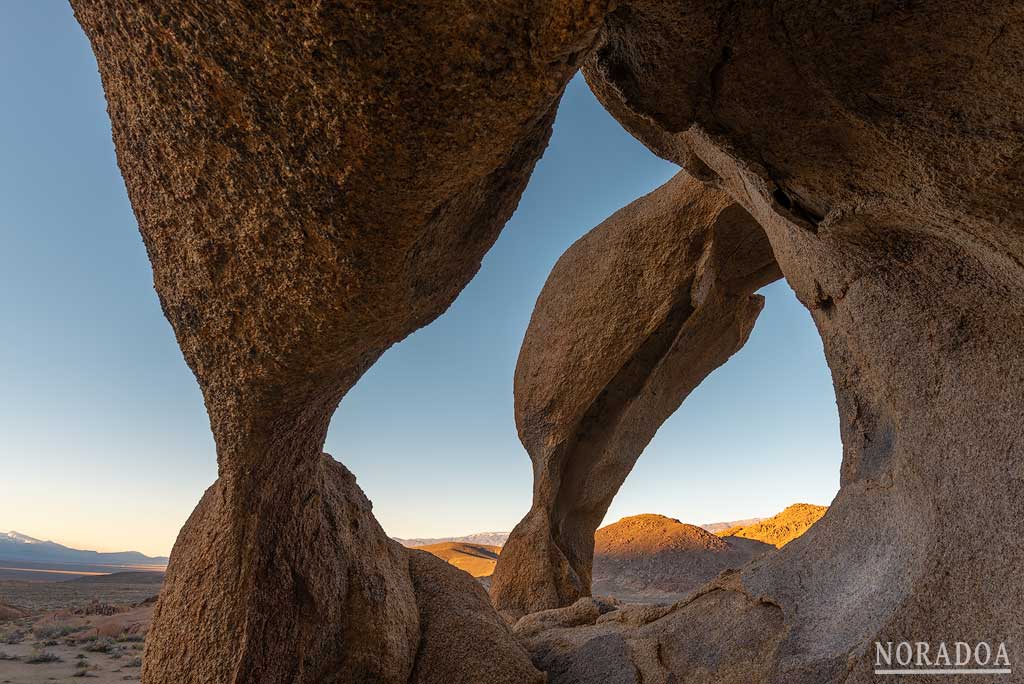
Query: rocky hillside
x=781, y=529
x=655, y=558
x=476, y=559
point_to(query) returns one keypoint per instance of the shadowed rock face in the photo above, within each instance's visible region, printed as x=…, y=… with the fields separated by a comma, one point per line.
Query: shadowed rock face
x=716, y=634
x=880, y=147
x=464, y=640
x=631, y=319
x=313, y=181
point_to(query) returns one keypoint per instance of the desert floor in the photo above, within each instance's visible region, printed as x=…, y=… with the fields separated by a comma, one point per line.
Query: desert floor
x=75, y=629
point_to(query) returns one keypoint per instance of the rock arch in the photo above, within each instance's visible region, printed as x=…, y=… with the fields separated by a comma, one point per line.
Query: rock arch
x=879, y=147
x=632, y=318
x=313, y=181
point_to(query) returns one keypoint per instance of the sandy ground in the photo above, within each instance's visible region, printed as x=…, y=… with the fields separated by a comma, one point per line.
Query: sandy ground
x=88, y=628
x=39, y=597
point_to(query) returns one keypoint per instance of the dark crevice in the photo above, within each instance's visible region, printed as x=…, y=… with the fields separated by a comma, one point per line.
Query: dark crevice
x=798, y=212
x=783, y=199
x=822, y=300
x=717, y=74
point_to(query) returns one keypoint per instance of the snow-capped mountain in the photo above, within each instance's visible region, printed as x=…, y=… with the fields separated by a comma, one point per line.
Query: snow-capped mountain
x=16, y=546
x=486, y=538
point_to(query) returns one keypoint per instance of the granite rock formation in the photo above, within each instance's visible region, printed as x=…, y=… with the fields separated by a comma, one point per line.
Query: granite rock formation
x=716, y=634
x=880, y=147
x=464, y=639
x=313, y=181
x=633, y=317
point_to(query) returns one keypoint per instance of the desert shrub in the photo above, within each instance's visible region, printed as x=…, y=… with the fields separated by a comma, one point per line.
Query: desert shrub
x=12, y=636
x=51, y=632
x=100, y=645
x=37, y=657
x=128, y=637
x=82, y=669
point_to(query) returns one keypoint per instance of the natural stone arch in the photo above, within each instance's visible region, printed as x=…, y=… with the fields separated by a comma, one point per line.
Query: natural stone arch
x=313, y=182
x=879, y=146
x=632, y=318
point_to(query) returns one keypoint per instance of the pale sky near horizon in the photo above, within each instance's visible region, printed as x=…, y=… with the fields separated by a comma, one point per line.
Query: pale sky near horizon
x=104, y=440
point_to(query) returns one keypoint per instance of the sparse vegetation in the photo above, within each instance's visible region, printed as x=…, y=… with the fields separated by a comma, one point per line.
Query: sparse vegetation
x=55, y=631
x=74, y=630
x=103, y=645
x=12, y=636
x=39, y=657
x=82, y=670
x=127, y=637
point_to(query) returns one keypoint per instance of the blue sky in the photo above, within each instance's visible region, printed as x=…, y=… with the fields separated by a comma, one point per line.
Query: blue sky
x=104, y=441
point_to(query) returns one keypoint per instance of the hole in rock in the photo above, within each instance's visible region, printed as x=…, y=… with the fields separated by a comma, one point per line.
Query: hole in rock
x=782, y=198
x=750, y=429
x=760, y=434
x=429, y=431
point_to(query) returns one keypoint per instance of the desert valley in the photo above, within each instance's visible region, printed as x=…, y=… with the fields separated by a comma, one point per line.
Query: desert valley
x=63, y=619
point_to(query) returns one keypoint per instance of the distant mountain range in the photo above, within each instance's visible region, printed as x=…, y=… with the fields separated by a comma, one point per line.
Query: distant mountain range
x=484, y=538
x=717, y=527
x=15, y=546
x=499, y=538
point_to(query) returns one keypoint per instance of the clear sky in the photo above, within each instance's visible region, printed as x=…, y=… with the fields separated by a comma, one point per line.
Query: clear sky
x=104, y=441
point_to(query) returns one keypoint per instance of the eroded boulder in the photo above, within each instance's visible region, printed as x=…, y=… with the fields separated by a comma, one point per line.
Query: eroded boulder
x=464, y=640
x=633, y=316
x=738, y=642
x=274, y=573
